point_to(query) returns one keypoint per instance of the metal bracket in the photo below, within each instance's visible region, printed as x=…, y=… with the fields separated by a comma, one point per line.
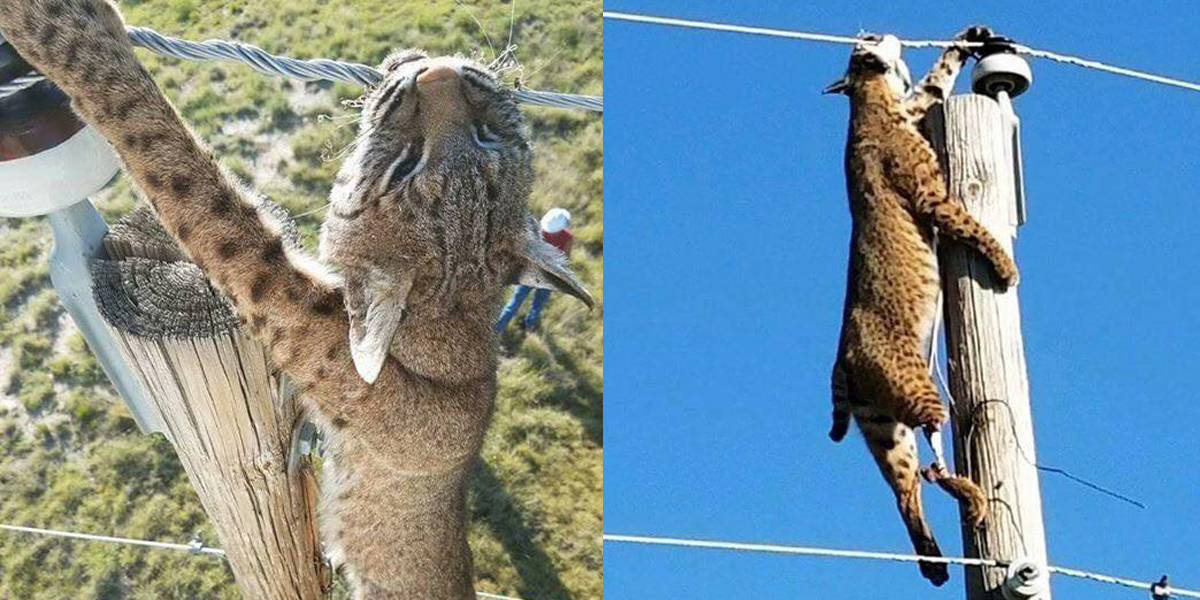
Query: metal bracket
x=78, y=238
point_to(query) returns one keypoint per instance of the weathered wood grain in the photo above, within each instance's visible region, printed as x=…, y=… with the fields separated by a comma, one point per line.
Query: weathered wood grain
x=993, y=428
x=227, y=410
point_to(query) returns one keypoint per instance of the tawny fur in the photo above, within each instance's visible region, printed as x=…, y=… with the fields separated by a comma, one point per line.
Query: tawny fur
x=974, y=503
x=424, y=248
x=898, y=204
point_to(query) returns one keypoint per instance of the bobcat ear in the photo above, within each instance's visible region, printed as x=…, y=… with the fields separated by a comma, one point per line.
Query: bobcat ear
x=544, y=266
x=375, y=303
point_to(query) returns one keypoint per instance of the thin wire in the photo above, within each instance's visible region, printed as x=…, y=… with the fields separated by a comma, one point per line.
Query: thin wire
x=478, y=24
x=194, y=548
x=801, y=550
x=494, y=596
x=1012, y=419
x=812, y=551
x=841, y=39
x=935, y=366
x=309, y=212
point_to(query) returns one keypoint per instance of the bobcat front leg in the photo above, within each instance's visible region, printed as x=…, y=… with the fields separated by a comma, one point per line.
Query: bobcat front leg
x=937, y=84
x=952, y=219
x=82, y=46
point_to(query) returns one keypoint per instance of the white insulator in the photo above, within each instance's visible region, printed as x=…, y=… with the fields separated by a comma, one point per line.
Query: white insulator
x=1026, y=580
x=56, y=178
x=1001, y=72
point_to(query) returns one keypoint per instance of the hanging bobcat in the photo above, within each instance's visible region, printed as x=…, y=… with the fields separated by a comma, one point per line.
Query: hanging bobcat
x=396, y=359
x=898, y=204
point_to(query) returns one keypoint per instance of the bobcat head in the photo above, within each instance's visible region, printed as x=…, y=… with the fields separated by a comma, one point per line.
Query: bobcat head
x=428, y=215
x=875, y=56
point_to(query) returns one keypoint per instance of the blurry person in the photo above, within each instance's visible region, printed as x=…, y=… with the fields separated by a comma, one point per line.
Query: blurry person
x=554, y=230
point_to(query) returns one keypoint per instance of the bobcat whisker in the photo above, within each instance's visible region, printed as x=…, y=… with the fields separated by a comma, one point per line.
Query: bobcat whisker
x=309, y=212
x=512, y=23
x=482, y=30
x=546, y=62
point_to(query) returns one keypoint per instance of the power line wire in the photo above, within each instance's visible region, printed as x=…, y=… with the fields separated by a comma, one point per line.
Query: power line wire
x=309, y=70
x=800, y=550
x=1099, y=66
x=841, y=39
x=305, y=70
x=1167, y=590
x=767, y=31
x=195, y=547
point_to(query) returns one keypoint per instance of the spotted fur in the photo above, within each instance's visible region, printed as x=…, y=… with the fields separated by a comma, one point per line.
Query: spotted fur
x=899, y=204
x=428, y=223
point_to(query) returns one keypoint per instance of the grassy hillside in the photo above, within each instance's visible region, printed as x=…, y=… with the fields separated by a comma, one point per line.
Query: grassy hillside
x=70, y=456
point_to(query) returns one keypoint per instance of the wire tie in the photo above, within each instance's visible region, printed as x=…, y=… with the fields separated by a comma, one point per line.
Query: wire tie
x=1160, y=590
x=196, y=546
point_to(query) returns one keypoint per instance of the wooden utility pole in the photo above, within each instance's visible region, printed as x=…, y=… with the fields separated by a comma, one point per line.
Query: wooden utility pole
x=230, y=414
x=977, y=140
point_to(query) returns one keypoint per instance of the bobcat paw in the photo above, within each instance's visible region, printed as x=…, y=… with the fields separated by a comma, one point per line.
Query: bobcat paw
x=974, y=33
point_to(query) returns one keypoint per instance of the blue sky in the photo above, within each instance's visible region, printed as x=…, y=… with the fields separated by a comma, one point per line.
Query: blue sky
x=727, y=231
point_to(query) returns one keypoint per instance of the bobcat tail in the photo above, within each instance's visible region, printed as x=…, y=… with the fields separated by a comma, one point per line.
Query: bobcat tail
x=925, y=545
x=841, y=424
x=921, y=536
x=841, y=404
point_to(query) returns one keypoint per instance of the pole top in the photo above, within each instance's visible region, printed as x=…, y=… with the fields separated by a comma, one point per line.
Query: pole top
x=1000, y=69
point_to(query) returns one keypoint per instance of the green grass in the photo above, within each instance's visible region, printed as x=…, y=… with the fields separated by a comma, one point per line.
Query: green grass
x=72, y=458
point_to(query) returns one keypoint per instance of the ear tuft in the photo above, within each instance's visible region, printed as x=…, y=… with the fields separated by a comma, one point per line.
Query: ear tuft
x=546, y=267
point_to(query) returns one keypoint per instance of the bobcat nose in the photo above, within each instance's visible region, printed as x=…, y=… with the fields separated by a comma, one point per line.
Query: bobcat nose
x=434, y=74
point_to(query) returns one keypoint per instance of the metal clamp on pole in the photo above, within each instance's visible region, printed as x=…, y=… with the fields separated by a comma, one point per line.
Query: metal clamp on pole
x=1003, y=74
x=50, y=162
